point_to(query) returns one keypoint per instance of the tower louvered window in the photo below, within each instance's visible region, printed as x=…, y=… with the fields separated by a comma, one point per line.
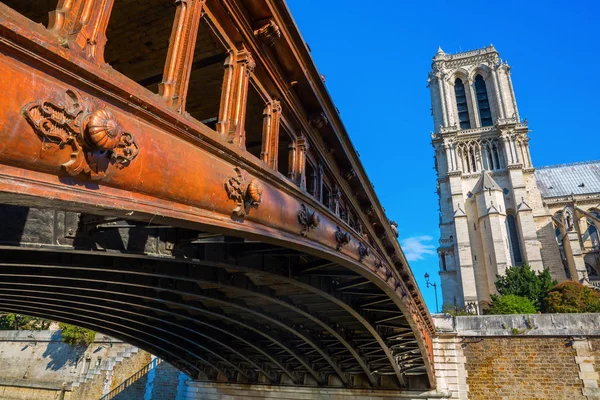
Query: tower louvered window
x=483, y=103
x=513, y=236
x=461, y=104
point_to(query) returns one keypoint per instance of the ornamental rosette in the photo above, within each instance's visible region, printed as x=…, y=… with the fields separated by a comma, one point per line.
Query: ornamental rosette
x=87, y=127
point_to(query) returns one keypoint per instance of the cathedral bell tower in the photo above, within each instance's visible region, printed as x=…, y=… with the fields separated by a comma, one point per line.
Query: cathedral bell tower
x=486, y=184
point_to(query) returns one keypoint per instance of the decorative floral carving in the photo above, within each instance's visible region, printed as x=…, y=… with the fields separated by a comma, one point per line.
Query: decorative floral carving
x=268, y=31
x=309, y=219
x=388, y=273
x=363, y=251
x=125, y=151
x=342, y=238
x=245, y=58
x=351, y=173
x=246, y=193
x=104, y=132
x=319, y=120
x=93, y=132
x=394, y=226
x=369, y=210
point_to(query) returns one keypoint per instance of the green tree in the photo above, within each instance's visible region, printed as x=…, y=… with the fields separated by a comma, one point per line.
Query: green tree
x=10, y=321
x=572, y=297
x=522, y=281
x=511, y=304
x=76, y=336
x=456, y=311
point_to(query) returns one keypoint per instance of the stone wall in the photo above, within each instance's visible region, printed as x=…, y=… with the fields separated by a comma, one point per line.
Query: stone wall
x=109, y=378
x=549, y=356
x=28, y=393
x=38, y=365
x=164, y=382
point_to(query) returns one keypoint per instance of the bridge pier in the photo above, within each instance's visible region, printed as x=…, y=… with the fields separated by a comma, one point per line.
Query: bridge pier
x=196, y=390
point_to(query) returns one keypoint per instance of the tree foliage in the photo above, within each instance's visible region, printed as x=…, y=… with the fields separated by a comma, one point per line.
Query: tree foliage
x=522, y=281
x=456, y=311
x=572, y=297
x=10, y=321
x=511, y=304
x=76, y=336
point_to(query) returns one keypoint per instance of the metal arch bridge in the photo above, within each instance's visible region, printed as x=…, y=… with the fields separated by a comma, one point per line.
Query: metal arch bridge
x=122, y=213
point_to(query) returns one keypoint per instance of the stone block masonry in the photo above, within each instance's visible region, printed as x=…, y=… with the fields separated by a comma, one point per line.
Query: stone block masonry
x=38, y=365
x=522, y=368
x=550, y=356
x=495, y=357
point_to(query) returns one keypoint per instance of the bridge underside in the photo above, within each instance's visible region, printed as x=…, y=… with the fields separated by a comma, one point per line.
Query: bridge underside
x=218, y=307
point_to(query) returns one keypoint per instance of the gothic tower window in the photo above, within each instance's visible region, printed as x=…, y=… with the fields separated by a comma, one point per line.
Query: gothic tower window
x=483, y=103
x=496, y=156
x=461, y=104
x=490, y=156
x=513, y=237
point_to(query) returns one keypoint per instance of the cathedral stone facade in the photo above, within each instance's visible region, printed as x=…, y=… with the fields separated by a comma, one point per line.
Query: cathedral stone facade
x=496, y=209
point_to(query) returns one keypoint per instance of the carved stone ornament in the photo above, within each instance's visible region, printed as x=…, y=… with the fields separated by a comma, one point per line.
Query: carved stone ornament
x=363, y=251
x=92, y=132
x=309, y=219
x=568, y=219
x=394, y=226
x=342, y=238
x=246, y=193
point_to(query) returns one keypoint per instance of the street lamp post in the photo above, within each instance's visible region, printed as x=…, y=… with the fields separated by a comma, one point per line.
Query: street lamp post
x=434, y=290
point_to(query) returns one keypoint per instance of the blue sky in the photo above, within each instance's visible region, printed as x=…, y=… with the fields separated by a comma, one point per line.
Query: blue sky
x=376, y=55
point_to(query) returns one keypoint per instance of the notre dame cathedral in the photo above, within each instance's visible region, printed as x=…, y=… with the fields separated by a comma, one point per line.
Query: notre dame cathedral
x=496, y=209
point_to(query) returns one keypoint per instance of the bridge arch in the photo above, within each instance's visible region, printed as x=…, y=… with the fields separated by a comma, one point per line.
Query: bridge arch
x=125, y=203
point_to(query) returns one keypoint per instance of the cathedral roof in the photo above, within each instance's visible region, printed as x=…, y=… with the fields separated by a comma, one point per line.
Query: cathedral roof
x=566, y=179
x=486, y=182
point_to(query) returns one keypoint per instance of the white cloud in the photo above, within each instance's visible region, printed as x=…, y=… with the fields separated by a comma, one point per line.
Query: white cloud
x=416, y=248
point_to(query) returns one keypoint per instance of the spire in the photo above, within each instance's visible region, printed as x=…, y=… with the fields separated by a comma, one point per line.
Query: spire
x=440, y=52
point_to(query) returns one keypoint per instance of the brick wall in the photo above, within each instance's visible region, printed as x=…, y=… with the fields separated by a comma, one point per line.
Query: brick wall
x=521, y=368
x=539, y=356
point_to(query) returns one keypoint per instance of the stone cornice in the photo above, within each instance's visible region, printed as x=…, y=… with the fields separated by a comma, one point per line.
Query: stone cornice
x=515, y=166
x=592, y=198
x=487, y=55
